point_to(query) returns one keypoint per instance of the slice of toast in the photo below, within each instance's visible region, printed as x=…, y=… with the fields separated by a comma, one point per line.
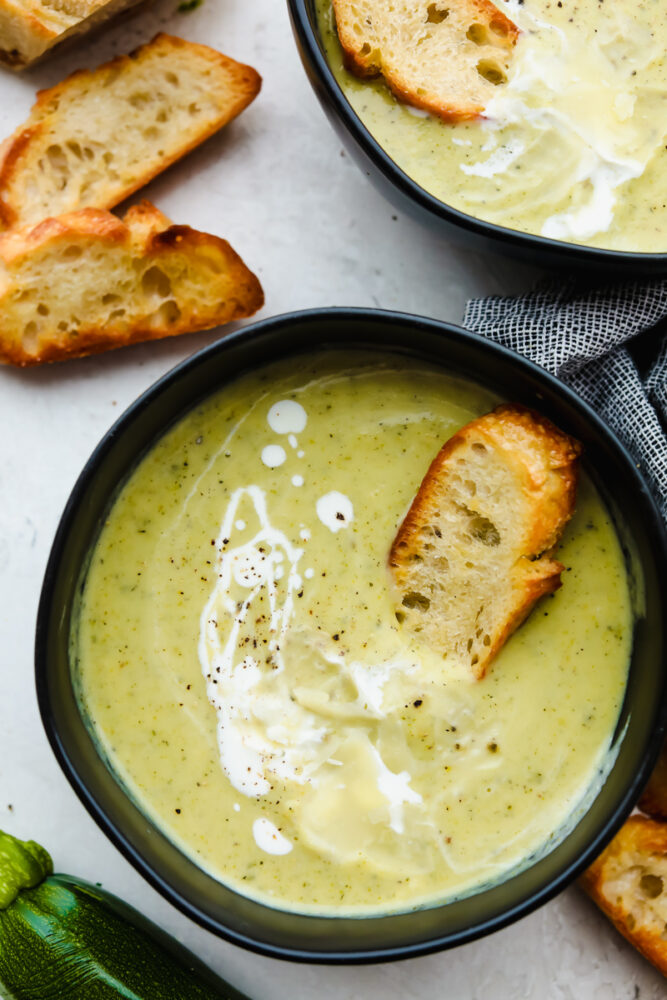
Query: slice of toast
x=445, y=57
x=473, y=554
x=654, y=796
x=99, y=135
x=87, y=282
x=629, y=884
x=30, y=28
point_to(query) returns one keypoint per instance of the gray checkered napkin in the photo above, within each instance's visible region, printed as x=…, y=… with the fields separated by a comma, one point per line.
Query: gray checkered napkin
x=608, y=342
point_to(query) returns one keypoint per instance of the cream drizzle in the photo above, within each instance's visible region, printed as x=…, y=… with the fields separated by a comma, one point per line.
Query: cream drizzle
x=273, y=455
x=335, y=511
x=269, y=838
x=267, y=727
x=396, y=789
x=242, y=691
x=287, y=417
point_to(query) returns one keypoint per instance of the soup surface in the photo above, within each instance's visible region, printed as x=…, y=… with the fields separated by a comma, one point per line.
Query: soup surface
x=239, y=660
x=573, y=145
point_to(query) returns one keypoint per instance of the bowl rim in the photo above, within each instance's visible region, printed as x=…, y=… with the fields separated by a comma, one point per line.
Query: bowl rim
x=536, y=898
x=578, y=253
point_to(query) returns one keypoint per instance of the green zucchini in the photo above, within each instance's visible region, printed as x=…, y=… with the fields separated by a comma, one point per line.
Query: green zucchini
x=64, y=939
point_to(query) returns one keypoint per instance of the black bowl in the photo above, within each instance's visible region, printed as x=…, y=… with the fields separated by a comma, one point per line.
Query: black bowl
x=408, y=196
x=218, y=908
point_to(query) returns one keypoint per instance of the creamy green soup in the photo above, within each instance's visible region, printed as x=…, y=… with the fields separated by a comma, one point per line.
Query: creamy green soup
x=573, y=145
x=239, y=660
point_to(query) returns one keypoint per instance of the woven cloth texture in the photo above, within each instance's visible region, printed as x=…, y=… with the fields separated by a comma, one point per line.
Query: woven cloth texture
x=608, y=342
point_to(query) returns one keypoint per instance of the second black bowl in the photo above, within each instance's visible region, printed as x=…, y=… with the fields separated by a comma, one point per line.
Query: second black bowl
x=409, y=197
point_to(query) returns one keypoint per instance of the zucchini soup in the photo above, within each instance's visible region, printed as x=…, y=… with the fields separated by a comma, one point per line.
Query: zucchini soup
x=238, y=658
x=572, y=145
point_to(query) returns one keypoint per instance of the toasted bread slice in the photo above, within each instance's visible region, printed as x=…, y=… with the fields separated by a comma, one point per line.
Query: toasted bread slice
x=98, y=136
x=445, y=57
x=473, y=553
x=29, y=28
x=629, y=884
x=654, y=797
x=87, y=282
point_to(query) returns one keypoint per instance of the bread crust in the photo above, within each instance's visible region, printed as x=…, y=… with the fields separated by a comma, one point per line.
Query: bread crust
x=22, y=29
x=11, y=153
x=537, y=450
x=150, y=238
x=544, y=465
x=654, y=797
x=30, y=28
x=640, y=846
x=16, y=151
x=19, y=243
x=367, y=62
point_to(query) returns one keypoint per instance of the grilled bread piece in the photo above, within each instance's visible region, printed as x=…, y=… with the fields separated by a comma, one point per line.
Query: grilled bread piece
x=473, y=553
x=629, y=884
x=29, y=28
x=654, y=797
x=98, y=136
x=87, y=282
x=446, y=57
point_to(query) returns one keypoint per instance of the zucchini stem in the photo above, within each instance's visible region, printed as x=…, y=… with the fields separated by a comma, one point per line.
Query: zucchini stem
x=23, y=865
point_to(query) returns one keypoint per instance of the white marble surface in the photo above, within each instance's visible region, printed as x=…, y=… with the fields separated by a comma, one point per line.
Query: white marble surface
x=278, y=185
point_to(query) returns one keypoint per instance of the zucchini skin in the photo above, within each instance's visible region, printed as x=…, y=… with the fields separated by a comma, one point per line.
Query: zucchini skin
x=65, y=939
